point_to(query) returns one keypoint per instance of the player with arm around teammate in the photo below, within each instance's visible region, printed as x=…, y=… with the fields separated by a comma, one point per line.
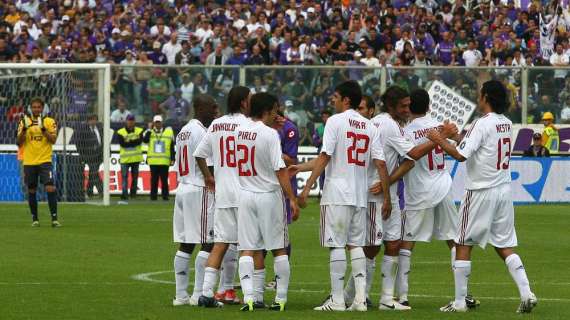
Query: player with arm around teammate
x=194, y=204
x=219, y=145
x=487, y=212
x=262, y=218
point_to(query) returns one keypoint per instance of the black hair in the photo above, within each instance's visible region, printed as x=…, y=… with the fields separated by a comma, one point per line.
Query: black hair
x=496, y=95
x=235, y=98
x=93, y=116
x=419, y=101
x=327, y=111
x=351, y=90
x=370, y=104
x=392, y=96
x=202, y=101
x=262, y=102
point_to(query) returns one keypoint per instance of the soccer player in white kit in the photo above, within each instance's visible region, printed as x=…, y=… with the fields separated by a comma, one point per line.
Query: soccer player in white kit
x=262, y=218
x=349, y=143
x=430, y=211
x=194, y=203
x=219, y=145
x=397, y=145
x=487, y=213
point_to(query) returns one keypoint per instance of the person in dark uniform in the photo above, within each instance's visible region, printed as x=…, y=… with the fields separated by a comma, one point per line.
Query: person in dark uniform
x=89, y=141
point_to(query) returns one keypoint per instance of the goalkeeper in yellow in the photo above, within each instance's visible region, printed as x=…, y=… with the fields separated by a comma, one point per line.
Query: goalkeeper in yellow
x=37, y=134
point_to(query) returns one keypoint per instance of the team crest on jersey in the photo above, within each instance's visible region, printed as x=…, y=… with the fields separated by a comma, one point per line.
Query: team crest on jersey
x=291, y=134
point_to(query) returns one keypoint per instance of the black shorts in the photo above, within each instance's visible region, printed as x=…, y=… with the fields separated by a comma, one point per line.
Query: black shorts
x=41, y=172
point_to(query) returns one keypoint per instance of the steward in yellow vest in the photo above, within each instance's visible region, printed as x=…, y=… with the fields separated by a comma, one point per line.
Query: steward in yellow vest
x=160, y=155
x=130, y=139
x=550, y=137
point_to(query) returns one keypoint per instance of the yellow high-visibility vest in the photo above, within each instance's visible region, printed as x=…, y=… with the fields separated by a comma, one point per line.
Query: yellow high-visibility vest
x=551, y=139
x=132, y=154
x=159, y=147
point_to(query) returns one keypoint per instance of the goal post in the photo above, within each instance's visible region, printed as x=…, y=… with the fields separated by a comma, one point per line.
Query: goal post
x=74, y=95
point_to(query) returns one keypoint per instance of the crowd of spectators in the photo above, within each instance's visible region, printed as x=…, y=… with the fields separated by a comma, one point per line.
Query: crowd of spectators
x=155, y=34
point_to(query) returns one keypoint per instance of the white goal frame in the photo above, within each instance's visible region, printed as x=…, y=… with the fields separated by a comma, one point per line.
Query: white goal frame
x=103, y=101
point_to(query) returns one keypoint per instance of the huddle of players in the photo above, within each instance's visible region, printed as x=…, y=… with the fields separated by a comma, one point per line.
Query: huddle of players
x=363, y=159
x=238, y=161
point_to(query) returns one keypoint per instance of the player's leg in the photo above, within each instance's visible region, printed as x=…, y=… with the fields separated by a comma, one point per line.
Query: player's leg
x=334, y=235
x=404, y=269
x=163, y=174
x=46, y=179
x=31, y=177
x=371, y=252
x=355, y=242
x=282, y=270
x=392, y=234
x=250, y=240
x=98, y=180
x=125, y=181
x=135, y=180
x=206, y=238
x=153, y=181
x=227, y=274
x=200, y=270
x=184, y=253
x=504, y=239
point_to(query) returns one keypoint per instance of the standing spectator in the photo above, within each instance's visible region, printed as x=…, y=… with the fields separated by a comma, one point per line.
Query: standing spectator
x=160, y=155
x=550, y=138
x=444, y=49
x=472, y=56
x=142, y=75
x=370, y=60
x=157, y=90
x=565, y=113
x=89, y=142
x=120, y=114
x=216, y=58
x=176, y=109
x=170, y=50
x=156, y=55
x=559, y=59
x=187, y=87
x=130, y=139
x=537, y=149
x=126, y=83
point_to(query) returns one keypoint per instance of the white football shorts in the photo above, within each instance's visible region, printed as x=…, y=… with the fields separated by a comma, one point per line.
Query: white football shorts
x=374, y=224
x=392, y=227
x=193, y=220
x=342, y=226
x=439, y=222
x=262, y=221
x=487, y=216
x=225, y=225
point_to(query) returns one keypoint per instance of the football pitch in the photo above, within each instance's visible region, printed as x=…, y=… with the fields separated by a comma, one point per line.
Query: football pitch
x=116, y=263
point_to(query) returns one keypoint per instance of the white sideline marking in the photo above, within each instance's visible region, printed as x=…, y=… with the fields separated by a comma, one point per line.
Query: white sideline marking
x=147, y=277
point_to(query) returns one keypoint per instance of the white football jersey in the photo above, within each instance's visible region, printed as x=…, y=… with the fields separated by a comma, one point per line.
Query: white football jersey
x=428, y=182
x=219, y=144
x=351, y=141
x=487, y=148
x=258, y=154
x=373, y=176
x=187, y=141
x=395, y=143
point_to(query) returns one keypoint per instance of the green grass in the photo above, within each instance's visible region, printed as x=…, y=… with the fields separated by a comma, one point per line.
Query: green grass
x=84, y=270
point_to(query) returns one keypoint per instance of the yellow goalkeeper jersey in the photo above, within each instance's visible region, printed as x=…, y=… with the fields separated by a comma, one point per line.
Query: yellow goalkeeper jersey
x=37, y=149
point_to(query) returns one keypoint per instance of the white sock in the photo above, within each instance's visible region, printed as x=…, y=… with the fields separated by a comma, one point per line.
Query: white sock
x=349, y=290
x=259, y=284
x=358, y=264
x=516, y=268
x=199, y=271
x=453, y=251
x=403, y=270
x=282, y=271
x=229, y=266
x=210, y=279
x=337, y=272
x=370, y=270
x=389, y=266
x=246, y=277
x=461, y=271
x=181, y=264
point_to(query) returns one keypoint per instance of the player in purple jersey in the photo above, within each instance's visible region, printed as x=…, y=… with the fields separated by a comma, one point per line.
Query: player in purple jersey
x=289, y=135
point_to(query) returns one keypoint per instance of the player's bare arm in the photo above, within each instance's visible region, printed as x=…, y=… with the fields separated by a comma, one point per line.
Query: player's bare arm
x=301, y=167
x=385, y=183
x=283, y=177
x=288, y=160
x=208, y=177
x=320, y=165
x=396, y=175
x=450, y=149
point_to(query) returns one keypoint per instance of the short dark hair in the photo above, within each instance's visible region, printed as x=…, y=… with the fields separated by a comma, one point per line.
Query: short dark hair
x=370, y=104
x=236, y=96
x=419, y=101
x=327, y=111
x=202, y=101
x=93, y=116
x=351, y=90
x=496, y=95
x=392, y=96
x=262, y=102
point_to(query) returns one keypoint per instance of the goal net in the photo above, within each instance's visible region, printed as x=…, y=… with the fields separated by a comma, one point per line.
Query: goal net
x=77, y=98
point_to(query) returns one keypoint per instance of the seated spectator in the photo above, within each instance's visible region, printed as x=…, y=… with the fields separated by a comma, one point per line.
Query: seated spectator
x=565, y=113
x=120, y=114
x=537, y=149
x=176, y=109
